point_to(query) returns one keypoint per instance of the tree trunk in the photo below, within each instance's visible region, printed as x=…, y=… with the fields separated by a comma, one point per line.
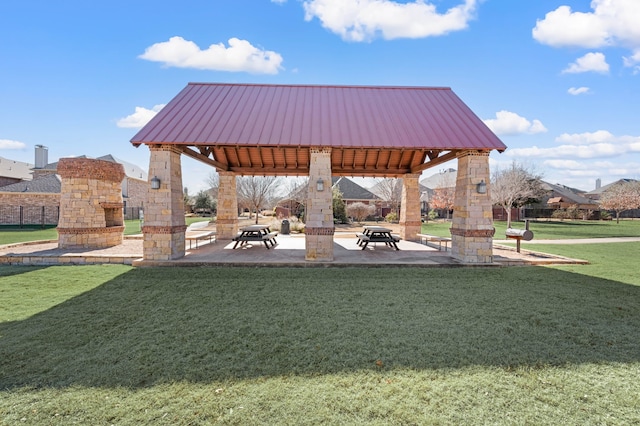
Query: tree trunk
x=508, y=217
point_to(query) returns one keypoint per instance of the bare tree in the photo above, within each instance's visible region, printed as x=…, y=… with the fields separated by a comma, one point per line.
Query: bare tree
x=256, y=192
x=515, y=187
x=359, y=211
x=390, y=190
x=444, y=194
x=621, y=197
x=213, y=180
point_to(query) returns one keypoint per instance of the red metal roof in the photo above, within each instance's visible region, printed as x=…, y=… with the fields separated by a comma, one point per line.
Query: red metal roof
x=423, y=118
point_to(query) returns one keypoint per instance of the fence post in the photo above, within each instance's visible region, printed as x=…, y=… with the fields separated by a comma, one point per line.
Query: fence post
x=21, y=216
x=42, y=217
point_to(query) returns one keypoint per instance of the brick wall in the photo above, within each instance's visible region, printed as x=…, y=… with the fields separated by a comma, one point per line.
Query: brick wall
x=136, y=192
x=32, y=203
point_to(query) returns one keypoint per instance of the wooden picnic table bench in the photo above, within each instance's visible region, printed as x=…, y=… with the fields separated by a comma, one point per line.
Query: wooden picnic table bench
x=255, y=233
x=435, y=239
x=377, y=234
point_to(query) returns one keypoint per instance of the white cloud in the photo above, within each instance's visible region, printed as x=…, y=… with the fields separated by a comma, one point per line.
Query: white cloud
x=510, y=123
x=593, y=61
x=600, y=144
x=140, y=117
x=575, y=91
x=633, y=61
x=240, y=56
x=9, y=144
x=362, y=20
x=610, y=23
x=587, y=138
x=562, y=27
x=566, y=164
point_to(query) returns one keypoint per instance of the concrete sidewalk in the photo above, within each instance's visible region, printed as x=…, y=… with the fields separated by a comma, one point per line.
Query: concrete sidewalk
x=289, y=251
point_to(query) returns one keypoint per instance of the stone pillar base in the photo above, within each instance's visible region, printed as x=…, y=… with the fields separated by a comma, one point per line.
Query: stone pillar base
x=319, y=244
x=409, y=230
x=226, y=229
x=90, y=238
x=163, y=243
x=472, y=246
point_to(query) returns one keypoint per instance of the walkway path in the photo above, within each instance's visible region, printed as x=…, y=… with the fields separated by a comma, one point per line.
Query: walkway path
x=290, y=251
x=575, y=241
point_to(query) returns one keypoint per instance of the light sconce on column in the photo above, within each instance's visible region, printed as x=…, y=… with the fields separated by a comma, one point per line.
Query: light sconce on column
x=320, y=185
x=155, y=182
x=481, y=188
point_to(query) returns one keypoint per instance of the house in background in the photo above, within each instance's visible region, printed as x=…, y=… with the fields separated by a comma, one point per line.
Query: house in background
x=596, y=193
x=36, y=200
x=12, y=171
x=561, y=198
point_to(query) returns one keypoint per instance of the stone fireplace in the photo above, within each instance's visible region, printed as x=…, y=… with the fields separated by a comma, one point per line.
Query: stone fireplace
x=91, y=207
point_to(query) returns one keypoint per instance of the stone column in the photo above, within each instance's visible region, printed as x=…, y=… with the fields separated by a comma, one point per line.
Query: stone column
x=164, y=224
x=472, y=228
x=227, y=218
x=319, y=228
x=410, y=223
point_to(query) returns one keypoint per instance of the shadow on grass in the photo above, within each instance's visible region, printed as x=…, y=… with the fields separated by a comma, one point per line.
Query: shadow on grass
x=8, y=271
x=152, y=326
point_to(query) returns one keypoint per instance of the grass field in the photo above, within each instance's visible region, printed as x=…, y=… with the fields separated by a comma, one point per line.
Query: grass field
x=15, y=234
x=553, y=230
x=524, y=345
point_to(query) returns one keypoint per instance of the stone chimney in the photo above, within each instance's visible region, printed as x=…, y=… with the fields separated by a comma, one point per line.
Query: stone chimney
x=42, y=156
x=598, y=183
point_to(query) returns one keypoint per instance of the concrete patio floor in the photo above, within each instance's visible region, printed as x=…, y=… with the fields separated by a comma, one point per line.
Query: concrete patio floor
x=289, y=251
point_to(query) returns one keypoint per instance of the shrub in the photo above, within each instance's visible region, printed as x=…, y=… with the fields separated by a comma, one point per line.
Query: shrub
x=391, y=217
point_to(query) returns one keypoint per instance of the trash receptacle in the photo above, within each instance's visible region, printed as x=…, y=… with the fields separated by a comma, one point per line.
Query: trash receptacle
x=284, y=229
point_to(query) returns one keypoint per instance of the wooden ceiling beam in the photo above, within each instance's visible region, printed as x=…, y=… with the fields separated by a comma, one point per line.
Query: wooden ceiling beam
x=451, y=155
x=205, y=159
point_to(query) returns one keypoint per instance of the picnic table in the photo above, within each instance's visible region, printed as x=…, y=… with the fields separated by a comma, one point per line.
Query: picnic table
x=259, y=233
x=377, y=234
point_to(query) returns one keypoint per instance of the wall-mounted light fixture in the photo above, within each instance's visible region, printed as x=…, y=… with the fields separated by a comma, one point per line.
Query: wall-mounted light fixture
x=155, y=182
x=320, y=184
x=481, y=188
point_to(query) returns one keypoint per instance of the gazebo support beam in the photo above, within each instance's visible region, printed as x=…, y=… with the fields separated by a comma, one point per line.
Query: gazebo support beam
x=472, y=226
x=319, y=227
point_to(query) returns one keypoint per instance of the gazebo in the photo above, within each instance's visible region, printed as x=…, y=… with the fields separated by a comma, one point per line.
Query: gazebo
x=319, y=132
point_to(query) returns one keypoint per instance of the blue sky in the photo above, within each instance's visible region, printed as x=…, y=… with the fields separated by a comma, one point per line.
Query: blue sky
x=558, y=81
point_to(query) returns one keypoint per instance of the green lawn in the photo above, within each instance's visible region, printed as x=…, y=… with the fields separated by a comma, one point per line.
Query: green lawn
x=15, y=234
x=521, y=345
x=553, y=230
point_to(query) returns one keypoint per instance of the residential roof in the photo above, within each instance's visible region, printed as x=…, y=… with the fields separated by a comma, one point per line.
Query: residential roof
x=561, y=193
x=43, y=184
x=602, y=189
x=130, y=170
x=442, y=179
x=351, y=190
x=15, y=169
x=372, y=130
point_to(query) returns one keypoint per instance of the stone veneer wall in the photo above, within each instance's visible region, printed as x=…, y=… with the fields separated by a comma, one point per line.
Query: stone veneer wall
x=227, y=219
x=319, y=227
x=472, y=225
x=90, y=203
x=164, y=226
x=410, y=221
